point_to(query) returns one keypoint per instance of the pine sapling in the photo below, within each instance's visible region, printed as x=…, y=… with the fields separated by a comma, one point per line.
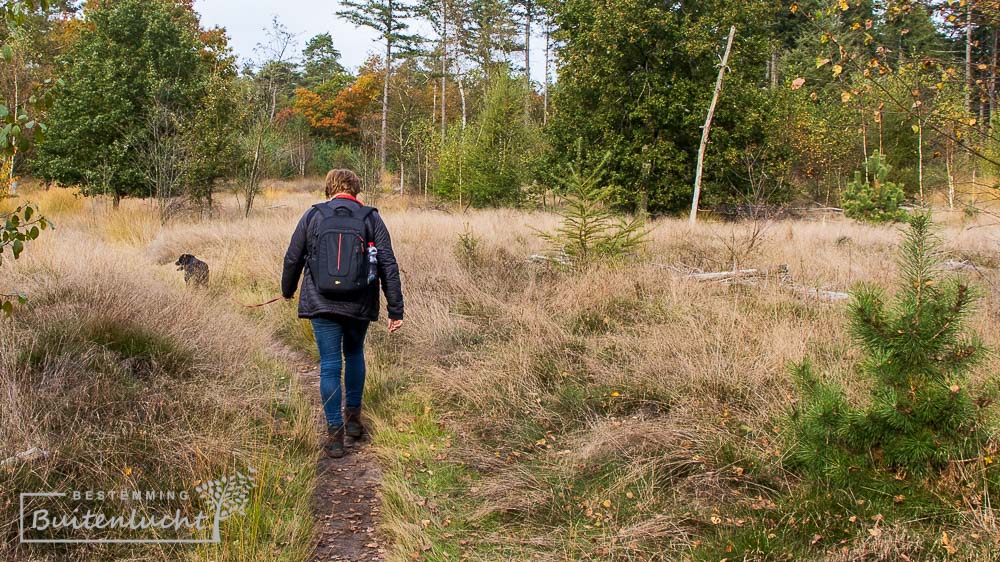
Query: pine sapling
x=589, y=229
x=917, y=356
x=872, y=197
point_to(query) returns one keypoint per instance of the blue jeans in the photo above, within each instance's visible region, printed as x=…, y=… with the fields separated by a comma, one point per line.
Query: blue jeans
x=333, y=338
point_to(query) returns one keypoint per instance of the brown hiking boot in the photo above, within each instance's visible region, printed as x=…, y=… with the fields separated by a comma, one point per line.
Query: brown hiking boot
x=334, y=441
x=352, y=422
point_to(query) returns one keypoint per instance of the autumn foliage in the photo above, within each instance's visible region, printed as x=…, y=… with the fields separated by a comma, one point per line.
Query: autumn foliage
x=338, y=114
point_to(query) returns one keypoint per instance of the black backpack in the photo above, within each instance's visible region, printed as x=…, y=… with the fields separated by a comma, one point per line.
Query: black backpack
x=338, y=259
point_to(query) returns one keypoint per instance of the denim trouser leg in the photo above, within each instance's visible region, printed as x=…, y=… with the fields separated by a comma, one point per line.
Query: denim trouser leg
x=335, y=339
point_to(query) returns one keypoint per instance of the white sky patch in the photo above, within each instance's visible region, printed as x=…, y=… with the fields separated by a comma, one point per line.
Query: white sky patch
x=245, y=21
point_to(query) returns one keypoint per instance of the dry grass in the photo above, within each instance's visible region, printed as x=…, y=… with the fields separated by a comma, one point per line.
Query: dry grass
x=634, y=385
x=630, y=385
x=132, y=382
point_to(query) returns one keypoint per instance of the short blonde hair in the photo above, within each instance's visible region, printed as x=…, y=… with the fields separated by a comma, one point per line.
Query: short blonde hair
x=342, y=181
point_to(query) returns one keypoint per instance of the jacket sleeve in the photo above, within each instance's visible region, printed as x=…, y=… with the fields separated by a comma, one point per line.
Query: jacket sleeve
x=388, y=270
x=295, y=259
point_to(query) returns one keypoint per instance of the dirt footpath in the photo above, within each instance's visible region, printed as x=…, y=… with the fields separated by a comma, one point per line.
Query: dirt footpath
x=346, y=501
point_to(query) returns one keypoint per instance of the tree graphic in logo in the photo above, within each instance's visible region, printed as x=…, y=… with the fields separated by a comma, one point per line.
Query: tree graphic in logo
x=227, y=497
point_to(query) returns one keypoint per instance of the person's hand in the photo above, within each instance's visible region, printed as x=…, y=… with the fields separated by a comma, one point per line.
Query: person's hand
x=394, y=325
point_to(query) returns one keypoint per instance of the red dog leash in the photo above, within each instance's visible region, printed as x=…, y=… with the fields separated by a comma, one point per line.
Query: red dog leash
x=274, y=300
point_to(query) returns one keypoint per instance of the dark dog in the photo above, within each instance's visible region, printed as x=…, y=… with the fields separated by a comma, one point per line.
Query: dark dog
x=195, y=270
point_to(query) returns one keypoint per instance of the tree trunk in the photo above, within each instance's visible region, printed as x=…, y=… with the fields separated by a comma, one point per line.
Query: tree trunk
x=13, y=155
x=920, y=157
x=527, y=60
x=993, y=78
x=385, y=98
x=642, y=209
x=951, y=178
x=774, y=70
x=548, y=73
x=444, y=71
x=708, y=126
x=968, y=57
x=461, y=94
x=864, y=136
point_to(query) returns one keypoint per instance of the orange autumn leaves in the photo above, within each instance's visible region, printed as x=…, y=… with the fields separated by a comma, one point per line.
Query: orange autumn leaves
x=338, y=114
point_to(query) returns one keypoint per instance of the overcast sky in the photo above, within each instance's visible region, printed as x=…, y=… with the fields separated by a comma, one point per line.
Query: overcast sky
x=245, y=21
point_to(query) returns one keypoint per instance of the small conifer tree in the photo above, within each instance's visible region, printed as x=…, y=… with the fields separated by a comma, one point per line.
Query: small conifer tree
x=920, y=414
x=589, y=229
x=872, y=197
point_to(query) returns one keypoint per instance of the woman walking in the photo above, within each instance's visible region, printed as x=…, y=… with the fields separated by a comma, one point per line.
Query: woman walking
x=346, y=251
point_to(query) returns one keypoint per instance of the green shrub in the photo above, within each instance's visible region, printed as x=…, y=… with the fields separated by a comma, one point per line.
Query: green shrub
x=917, y=354
x=871, y=197
x=328, y=155
x=488, y=163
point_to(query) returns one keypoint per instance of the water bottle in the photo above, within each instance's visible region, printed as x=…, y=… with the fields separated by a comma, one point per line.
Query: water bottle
x=372, y=262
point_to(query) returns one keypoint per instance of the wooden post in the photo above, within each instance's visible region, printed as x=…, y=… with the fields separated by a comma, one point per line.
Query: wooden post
x=708, y=125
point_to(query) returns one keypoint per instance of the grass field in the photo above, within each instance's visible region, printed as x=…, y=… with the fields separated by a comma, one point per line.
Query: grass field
x=527, y=412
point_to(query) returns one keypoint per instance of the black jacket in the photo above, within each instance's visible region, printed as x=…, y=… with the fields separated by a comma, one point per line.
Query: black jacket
x=362, y=307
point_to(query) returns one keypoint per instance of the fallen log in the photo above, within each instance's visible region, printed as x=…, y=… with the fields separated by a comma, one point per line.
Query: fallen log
x=539, y=258
x=780, y=273
x=31, y=454
x=821, y=294
x=724, y=276
x=956, y=265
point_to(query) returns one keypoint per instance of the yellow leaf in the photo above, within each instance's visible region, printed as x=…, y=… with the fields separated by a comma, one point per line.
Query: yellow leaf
x=715, y=519
x=844, y=5
x=915, y=128
x=821, y=62
x=629, y=495
x=616, y=394
x=606, y=504
x=845, y=97
x=837, y=69
x=127, y=471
